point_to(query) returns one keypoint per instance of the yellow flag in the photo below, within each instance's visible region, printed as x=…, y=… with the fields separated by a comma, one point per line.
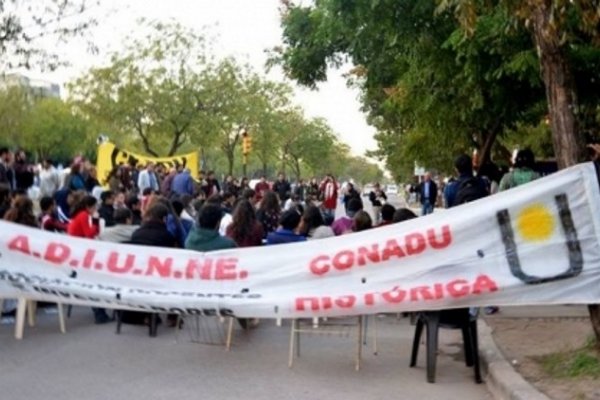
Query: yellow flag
x=110, y=156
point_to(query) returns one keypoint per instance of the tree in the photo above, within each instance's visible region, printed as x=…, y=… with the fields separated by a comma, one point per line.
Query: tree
x=423, y=85
x=557, y=27
x=14, y=106
x=155, y=90
x=53, y=130
x=23, y=26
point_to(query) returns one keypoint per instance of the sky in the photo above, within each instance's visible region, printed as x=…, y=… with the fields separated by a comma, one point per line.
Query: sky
x=242, y=28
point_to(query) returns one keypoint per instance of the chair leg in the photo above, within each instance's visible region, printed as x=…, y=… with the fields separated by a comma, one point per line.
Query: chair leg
x=61, y=318
x=432, y=345
x=229, y=333
x=468, y=345
x=69, y=310
x=475, y=342
x=119, y=315
x=375, y=335
x=361, y=322
x=416, y=341
x=153, y=324
x=20, y=320
x=292, y=342
x=31, y=310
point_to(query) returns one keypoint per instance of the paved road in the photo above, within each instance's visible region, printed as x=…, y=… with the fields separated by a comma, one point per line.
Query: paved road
x=92, y=362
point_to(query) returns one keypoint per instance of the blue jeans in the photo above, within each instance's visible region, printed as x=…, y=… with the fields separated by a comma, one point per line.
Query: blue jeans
x=427, y=208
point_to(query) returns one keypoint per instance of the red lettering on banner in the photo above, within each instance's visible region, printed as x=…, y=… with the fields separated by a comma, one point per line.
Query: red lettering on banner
x=162, y=267
x=484, y=283
x=438, y=288
x=57, y=253
x=317, y=267
x=343, y=260
x=458, y=288
x=444, y=242
x=113, y=263
x=301, y=303
x=365, y=253
x=412, y=244
x=422, y=291
x=415, y=244
x=369, y=299
x=88, y=259
x=200, y=269
x=393, y=299
x=20, y=243
x=345, y=301
x=225, y=270
x=392, y=248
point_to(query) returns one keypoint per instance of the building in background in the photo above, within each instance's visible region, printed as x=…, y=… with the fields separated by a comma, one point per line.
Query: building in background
x=37, y=88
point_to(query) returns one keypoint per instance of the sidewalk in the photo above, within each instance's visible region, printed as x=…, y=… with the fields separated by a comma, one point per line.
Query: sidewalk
x=511, y=341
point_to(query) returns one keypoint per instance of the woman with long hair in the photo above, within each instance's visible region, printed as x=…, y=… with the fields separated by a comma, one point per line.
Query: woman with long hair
x=245, y=229
x=269, y=212
x=84, y=221
x=313, y=225
x=21, y=212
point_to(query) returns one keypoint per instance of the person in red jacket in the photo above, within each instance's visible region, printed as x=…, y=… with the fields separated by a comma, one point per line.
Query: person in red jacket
x=84, y=224
x=329, y=192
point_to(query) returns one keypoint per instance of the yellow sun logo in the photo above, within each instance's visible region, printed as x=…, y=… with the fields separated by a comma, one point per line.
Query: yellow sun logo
x=536, y=223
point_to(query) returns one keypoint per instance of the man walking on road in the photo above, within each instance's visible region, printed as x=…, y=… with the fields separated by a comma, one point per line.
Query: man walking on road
x=283, y=188
x=428, y=194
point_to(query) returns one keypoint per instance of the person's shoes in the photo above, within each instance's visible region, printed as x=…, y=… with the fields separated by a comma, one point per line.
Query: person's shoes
x=243, y=323
x=102, y=319
x=491, y=310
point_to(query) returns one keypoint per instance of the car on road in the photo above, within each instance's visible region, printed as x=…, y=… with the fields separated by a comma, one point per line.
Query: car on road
x=391, y=189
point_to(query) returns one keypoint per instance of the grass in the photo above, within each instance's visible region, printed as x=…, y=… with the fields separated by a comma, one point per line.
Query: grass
x=579, y=363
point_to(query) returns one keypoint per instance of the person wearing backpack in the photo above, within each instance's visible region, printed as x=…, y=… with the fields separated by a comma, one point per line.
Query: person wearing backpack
x=466, y=187
x=522, y=173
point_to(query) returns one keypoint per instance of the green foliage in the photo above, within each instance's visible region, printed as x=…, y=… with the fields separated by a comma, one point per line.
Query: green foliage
x=48, y=127
x=583, y=362
x=430, y=90
x=52, y=129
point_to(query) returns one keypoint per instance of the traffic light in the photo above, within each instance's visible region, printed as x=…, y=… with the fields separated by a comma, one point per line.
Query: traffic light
x=246, y=143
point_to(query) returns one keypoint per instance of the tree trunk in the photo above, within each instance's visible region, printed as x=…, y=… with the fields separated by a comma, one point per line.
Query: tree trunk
x=569, y=144
x=230, y=160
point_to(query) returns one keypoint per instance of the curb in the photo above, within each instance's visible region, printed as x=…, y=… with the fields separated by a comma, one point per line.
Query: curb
x=503, y=382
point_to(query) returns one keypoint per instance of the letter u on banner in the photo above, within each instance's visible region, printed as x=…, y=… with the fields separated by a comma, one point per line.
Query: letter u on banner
x=571, y=241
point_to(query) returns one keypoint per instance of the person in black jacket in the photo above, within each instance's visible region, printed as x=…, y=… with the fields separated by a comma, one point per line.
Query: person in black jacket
x=106, y=209
x=428, y=194
x=283, y=188
x=153, y=231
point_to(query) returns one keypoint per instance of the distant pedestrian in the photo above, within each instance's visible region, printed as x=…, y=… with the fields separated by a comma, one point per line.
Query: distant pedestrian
x=428, y=192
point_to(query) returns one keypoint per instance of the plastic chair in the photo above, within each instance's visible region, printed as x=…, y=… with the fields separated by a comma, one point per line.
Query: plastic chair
x=27, y=309
x=152, y=326
x=334, y=327
x=450, y=319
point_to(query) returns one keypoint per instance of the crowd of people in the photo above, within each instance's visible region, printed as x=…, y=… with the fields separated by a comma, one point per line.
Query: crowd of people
x=150, y=206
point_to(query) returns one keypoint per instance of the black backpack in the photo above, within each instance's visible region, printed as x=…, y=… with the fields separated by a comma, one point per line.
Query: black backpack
x=470, y=189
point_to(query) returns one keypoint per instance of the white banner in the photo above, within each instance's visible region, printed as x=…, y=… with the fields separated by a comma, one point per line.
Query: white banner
x=536, y=244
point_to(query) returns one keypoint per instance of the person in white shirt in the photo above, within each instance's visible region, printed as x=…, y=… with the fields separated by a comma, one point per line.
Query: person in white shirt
x=49, y=179
x=148, y=179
